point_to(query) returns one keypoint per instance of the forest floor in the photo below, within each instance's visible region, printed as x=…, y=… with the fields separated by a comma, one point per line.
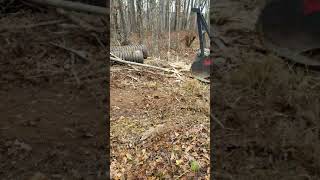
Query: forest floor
x=160, y=121
x=268, y=112
x=269, y=108
x=52, y=115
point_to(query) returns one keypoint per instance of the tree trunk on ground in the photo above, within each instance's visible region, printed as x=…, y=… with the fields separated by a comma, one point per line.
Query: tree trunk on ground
x=75, y=6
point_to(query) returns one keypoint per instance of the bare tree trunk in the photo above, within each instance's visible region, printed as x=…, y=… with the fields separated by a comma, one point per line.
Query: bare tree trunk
x=209, y=10
x=176, y=20
x=191, y=16
x=179, y=15
x=161, y=15
x=140, y=20
x=184, y=14
x=196, y=4
x=133, y=15
x=129, y=15
x=155, y=28
x=125, y=40
x=148, y=14
x=115, y=20
x=187, y=14
x=167, y=14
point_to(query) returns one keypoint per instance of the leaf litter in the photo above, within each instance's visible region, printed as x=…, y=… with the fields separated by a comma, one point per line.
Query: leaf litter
x=159, y=125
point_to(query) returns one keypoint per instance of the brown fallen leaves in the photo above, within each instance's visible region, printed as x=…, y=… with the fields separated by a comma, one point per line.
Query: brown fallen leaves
x=165, y=152
x=158, y=127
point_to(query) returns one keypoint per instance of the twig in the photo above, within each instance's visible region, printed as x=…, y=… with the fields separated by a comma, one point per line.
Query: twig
x=78, y=53
x=7, y=5
x=201, y=79
x=182, y=174
x=134, y=78
x=83, y=24
x=78, y=21
x=76, y=6
x=134, y=68
x=31, y=25
x=217, y=121
x=115, y=58
x=98, y=40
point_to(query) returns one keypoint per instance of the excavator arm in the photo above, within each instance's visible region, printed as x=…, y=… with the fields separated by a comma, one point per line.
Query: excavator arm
x=201, y=66
x=289, y=28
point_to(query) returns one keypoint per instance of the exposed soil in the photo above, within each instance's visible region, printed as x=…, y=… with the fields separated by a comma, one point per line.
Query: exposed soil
x=159, y=121
x=269, y=108
x=52, y=126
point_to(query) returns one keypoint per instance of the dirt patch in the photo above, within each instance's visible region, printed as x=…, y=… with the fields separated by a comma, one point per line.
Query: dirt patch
x=159, y=122
x=51, y=125
x=269, y=109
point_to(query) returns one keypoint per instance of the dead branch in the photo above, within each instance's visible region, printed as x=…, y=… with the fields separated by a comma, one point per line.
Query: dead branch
x=76, y=6
x=4, y=29
x=78, y=21
x=76, y=52
x=117, y=59
x=214, y=118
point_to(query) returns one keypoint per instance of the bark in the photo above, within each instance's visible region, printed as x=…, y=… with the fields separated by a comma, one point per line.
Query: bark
x=167, y=14
x=133, y=15
x=177, y=15
x=125, y=40
x=128, y=17
x=140, y=21
x=187, y=14
x=148, y=14
x=115, y=20
x=155, y=28
x=161, y=15
x=184, y=14
x=191, y=15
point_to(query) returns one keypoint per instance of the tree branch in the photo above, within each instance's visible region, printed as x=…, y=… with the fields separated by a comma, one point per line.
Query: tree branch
x=68, y=5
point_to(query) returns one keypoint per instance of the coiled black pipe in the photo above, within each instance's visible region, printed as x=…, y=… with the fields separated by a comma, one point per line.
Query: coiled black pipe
x=128, y=48
x=133, y=56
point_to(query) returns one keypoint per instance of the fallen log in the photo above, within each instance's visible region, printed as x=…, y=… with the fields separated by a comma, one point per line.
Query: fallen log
x=47, y=23
x=76, y=6
x=117, y=59
x=77, y=20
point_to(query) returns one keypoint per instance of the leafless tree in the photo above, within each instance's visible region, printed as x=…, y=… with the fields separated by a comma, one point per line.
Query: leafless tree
x=155, y=16
x=133, y=14
x=140, y=20
x=125, y=40
x=177, y=15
